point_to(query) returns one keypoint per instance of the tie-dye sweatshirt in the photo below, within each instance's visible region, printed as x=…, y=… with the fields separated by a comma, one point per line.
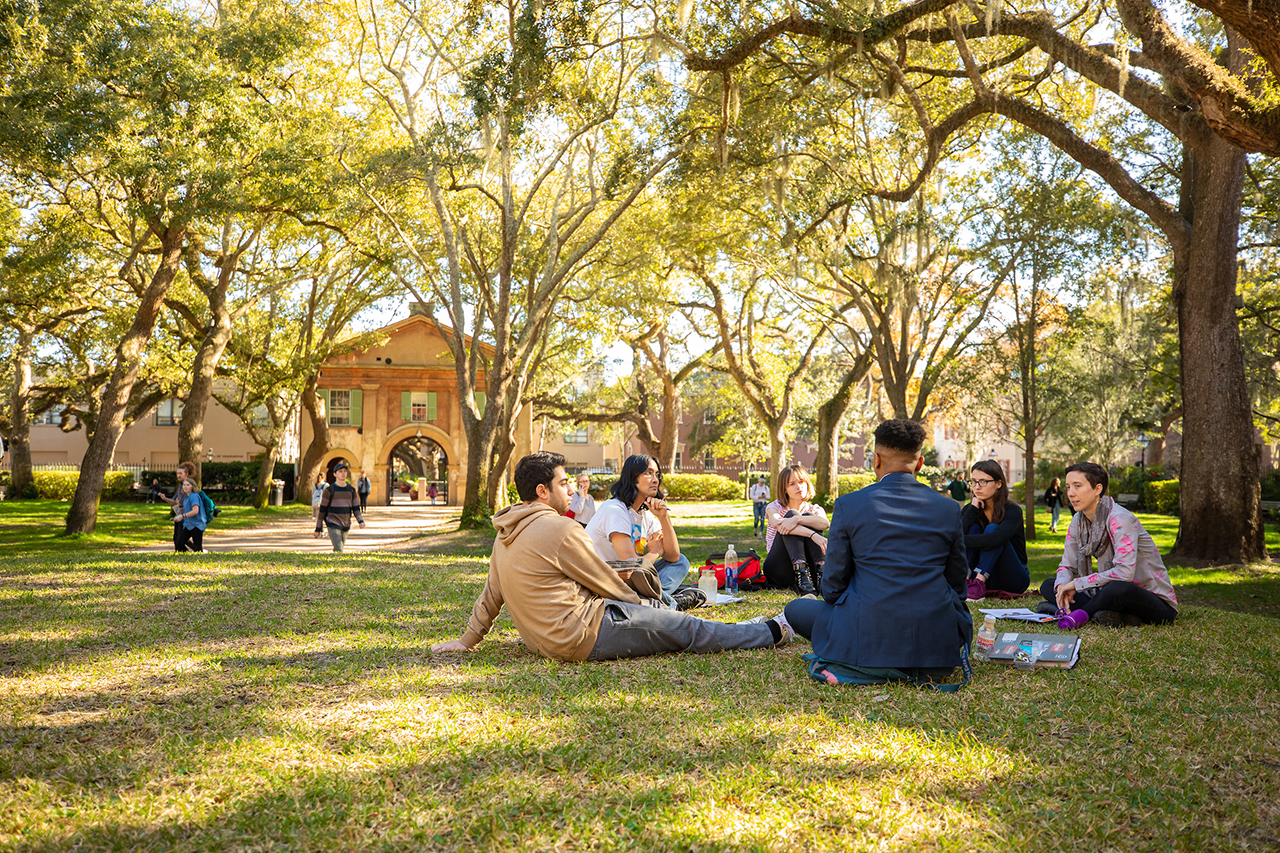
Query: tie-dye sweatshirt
x=1129, y=555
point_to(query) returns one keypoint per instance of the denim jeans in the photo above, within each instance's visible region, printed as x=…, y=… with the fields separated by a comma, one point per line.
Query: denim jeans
x=671, y=575
x=636, y=630
x=1002, y=566
x=760, y=522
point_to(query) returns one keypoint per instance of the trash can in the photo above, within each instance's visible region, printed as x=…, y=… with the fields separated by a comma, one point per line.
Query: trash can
x=277, y=492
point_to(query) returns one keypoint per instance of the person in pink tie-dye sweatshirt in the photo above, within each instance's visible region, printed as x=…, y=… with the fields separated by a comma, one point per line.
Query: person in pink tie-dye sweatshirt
x=1129, y=584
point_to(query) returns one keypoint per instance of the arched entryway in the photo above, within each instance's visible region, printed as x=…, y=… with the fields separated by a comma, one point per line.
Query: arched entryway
x=333, y=463
x=414, y=461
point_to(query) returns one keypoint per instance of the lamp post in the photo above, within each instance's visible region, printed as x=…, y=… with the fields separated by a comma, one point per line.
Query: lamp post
x=1143, y=441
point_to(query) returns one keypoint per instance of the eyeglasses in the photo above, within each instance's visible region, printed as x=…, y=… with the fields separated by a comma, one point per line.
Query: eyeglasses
x=981, y=484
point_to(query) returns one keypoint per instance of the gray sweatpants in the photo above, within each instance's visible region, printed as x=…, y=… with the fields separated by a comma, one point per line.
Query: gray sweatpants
x=636, y=630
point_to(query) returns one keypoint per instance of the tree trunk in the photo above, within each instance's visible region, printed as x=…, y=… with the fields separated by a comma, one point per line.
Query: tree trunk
x=20, y=414
x=1155, y=450
x=266, y=473
x=777, y=449
x=672, y=409
x=475, y=508
x=1029, y=485
x=826, y=467
x=1221, y=510
x=319, y=445
x=83, y=515
x=191, y=429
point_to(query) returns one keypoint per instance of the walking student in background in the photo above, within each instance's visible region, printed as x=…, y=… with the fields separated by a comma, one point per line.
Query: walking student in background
x=192, y=519
x=340, y=501
x=185, y=470
x=759, y=500
x=363, y=487
x=1053, y=500
x=994, y=537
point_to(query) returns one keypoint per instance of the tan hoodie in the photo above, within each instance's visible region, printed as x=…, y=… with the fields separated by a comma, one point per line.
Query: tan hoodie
x=546, y=571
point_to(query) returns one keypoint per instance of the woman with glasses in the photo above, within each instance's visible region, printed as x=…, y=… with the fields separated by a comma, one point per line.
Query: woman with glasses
x=994, y=537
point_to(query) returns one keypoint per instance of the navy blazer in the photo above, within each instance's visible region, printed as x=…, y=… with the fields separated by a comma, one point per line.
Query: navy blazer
x=896, y=573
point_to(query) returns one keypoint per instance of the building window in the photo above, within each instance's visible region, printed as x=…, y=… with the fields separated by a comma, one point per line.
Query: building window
x=339, y=408
x=707, y=417
x=169, y=413
x=50, y=417
x=679, y=460
x=422, y=406
x=578, y=436
x=709, y=460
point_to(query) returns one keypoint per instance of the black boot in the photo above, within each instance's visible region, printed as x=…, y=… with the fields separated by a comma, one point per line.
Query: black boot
x=817, y=575
x=804, y=585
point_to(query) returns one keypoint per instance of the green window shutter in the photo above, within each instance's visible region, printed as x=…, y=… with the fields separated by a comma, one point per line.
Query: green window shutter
x=406, y=405
x=323, y=394
x=481, y=399
x=357, y=407
x=431, y=405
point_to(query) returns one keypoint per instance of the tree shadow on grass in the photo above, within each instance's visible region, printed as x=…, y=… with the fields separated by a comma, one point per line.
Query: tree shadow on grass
x=1241, y=589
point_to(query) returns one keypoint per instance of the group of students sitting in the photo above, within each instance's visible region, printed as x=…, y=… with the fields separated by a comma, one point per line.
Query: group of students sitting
x=881, y=586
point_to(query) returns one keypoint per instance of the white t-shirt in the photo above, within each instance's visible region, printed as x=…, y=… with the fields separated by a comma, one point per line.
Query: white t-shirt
x=613, y=516
x=759, y=492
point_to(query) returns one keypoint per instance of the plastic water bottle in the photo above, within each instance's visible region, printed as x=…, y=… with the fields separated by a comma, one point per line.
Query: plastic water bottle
x=731, y=571
x=986, y=639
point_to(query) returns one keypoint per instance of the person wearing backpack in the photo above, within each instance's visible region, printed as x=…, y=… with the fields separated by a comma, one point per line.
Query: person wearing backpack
x=337, y=505
x=192, y=518
x=184, y=470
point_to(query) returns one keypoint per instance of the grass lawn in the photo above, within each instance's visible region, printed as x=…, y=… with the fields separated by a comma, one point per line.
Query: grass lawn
x=288, y=702
x=35, y=526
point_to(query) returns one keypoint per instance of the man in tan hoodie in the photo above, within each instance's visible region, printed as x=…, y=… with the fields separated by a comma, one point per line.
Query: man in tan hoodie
x=567, y=603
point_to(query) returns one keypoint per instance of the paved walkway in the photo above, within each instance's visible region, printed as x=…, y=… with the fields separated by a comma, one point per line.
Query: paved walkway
x=384, y=525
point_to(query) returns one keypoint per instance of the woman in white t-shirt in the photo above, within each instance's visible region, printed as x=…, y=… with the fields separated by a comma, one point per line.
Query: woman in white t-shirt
x=795, y=546
x=635, y=522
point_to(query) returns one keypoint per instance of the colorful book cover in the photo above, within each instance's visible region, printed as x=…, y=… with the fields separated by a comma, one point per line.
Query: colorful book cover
x=1044, y=650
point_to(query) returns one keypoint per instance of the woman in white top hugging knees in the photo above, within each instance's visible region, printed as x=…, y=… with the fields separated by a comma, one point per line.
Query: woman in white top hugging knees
x=796, y=548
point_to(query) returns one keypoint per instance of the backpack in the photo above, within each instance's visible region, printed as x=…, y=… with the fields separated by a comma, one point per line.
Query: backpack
x=210, y=510
x=750, y=570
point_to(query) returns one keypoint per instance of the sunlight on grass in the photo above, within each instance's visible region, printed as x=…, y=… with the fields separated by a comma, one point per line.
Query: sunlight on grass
x=290, y=702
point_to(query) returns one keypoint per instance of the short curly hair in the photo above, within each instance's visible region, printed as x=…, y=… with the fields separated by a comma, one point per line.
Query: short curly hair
x=536, y=469
x=900, y=436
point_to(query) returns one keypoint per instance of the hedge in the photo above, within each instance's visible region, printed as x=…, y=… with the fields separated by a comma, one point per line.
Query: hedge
x=235, y=480
x=1164, y=496
x=700, y=487
x=61, y=485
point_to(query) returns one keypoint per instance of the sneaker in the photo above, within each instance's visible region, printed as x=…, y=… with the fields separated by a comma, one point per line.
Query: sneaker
x=977, y=590
x=788, y=633
x=689, y=597
x=1112, y=619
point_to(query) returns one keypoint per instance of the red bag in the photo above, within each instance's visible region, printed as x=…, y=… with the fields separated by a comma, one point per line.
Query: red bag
x=750, y=571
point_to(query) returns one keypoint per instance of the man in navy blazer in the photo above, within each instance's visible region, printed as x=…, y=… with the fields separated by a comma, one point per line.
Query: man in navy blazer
x=893, y=586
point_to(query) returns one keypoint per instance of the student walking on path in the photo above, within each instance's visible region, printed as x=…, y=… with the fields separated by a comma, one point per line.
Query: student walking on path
x=191, y=518
x=363, y=488
x=337, y=505
x=1053, y=499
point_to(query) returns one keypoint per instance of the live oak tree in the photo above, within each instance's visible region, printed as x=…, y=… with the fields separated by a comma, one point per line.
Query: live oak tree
x=142, y=119
x=516, y=141
x=1211, y=90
